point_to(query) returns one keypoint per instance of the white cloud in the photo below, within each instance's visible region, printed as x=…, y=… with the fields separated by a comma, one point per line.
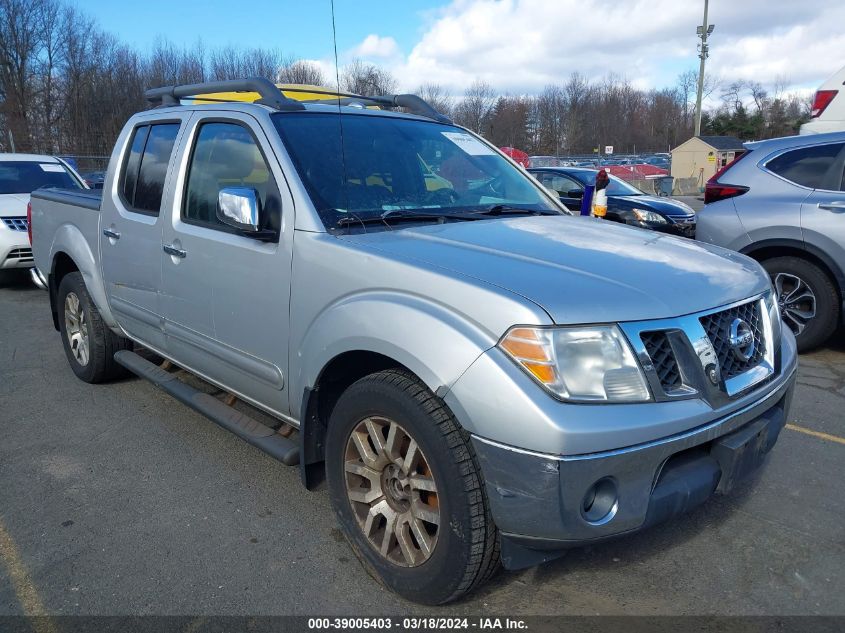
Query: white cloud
x=523, y=45
x=376, y=47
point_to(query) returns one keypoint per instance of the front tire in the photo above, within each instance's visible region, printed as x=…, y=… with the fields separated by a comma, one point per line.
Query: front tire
x=809, y=302
x=89, y=343
x=406, y=488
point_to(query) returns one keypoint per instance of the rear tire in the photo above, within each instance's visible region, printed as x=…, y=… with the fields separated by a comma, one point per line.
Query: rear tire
x=808, y=299
x=449, y=542
x=89, y=343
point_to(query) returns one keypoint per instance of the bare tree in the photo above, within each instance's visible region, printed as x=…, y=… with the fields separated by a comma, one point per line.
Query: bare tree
x=366, y=79
x=475, y=108
x=437, y=97
x=67, y=87
x=300, y=71
x=18, y=47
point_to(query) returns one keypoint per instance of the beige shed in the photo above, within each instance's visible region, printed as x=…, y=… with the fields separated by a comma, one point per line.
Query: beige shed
x=697, y=159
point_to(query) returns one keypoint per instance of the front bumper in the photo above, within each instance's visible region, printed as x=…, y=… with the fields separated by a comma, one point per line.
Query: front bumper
x=15, y=251
x=538, y=500
x=540, y=458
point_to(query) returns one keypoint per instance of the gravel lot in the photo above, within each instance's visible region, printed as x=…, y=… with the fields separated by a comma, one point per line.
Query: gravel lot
x=116, y=499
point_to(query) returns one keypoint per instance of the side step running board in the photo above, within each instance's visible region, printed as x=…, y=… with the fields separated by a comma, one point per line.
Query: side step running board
x=245, y=427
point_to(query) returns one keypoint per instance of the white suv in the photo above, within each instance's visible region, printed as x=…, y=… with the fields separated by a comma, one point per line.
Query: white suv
x=828, y=113
x=20, y=175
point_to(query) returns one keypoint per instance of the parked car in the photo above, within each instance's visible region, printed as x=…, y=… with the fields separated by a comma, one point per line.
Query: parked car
x=625, y=203
x=828, y=112
x=478, y=375
x=782, y=202
x=20, y=175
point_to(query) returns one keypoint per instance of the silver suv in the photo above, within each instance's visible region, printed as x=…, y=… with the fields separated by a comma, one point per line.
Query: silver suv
x=782, y=202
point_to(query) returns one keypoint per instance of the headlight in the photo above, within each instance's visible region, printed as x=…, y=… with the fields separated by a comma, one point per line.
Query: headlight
x=644, y=215
x=581, y=364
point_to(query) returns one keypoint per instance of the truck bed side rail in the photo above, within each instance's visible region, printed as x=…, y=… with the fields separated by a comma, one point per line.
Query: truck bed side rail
x=84, y=198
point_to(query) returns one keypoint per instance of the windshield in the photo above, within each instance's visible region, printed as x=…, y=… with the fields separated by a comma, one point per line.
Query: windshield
x=400, y=165
x=27, y=176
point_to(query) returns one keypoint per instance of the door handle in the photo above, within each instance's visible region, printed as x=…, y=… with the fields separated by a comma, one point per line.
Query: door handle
x=115, y=235
x=836, y=207
x=172, y=250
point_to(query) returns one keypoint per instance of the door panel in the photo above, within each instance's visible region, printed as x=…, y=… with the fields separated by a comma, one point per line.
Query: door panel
x=130, y=238
x=226, y=296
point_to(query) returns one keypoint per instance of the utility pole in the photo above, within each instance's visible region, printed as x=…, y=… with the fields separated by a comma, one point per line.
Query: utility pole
x=703, y=31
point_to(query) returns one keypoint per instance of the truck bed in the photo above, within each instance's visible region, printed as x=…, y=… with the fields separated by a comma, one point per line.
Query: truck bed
x=85, y=198
x=67, y=220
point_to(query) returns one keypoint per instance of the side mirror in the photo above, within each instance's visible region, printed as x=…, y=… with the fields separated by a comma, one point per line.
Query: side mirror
x=239, y=207
x=575, y=193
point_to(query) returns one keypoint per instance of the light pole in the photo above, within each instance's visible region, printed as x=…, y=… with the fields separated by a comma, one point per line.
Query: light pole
x=703, y=31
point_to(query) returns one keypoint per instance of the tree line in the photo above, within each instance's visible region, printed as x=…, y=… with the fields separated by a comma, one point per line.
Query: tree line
x=67, y=87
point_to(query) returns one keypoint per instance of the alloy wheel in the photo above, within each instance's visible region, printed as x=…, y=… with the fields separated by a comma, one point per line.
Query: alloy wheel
x=796, y=300
x=76, y=328
x=392, y=491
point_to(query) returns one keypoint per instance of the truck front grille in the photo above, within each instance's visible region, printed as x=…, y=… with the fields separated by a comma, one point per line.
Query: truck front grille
x=663, y=358
x=15, y=224
x=718, y=329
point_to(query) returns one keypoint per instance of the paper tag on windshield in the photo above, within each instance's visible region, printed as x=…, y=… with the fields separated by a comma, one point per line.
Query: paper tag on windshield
x=51, y=167
x=468, y=143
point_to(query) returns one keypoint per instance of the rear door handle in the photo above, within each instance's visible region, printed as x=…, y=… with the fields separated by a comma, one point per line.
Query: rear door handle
x=836, y=207
x=172, y=250
x=115, y=235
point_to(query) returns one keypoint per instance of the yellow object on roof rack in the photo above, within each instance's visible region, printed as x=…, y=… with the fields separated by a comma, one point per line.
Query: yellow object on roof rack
x=298, y=92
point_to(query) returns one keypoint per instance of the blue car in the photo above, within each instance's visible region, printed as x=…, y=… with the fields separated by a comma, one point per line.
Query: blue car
x=625, y=203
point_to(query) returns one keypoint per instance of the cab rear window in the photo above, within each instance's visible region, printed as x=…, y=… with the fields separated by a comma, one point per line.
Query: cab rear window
x=145, y=167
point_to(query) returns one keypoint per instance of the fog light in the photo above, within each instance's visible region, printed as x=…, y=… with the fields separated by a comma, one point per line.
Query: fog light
x=600, y=502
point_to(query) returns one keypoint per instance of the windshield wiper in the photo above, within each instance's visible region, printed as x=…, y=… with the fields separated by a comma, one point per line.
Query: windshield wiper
x=401, y=215
x=506, y=209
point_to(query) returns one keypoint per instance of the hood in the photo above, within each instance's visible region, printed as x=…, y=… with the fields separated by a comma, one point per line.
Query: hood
x=664, y=206
x=13, y=204
x=580, y=270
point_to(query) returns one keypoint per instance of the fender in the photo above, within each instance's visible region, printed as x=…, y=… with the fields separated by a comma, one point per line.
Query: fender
x=68, y=239
x=427, y=337
x=816, y=252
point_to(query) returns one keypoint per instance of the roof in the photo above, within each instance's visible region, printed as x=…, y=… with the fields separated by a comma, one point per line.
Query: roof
x=323, y=106
x=33, y=158
x=797, y=141
x=722, y=143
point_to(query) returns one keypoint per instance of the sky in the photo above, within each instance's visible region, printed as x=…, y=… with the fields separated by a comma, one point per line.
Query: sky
x=518, y=46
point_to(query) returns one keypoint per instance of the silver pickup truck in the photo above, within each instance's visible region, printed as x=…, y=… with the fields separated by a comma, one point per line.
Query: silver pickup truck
x=383, y=298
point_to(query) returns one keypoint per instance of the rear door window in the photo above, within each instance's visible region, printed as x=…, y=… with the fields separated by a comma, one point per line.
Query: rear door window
x=817, y=167
x=142, y=182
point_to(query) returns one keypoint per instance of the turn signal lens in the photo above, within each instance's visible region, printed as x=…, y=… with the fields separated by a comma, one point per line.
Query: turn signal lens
x=523, y=344
x=580, y=364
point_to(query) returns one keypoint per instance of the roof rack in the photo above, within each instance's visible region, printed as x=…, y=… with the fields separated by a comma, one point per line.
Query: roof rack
x=413, y=103
x=275, y=98
x=270, y=94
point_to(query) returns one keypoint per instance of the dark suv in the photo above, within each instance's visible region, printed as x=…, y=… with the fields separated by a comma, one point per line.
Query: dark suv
x=783, y=203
